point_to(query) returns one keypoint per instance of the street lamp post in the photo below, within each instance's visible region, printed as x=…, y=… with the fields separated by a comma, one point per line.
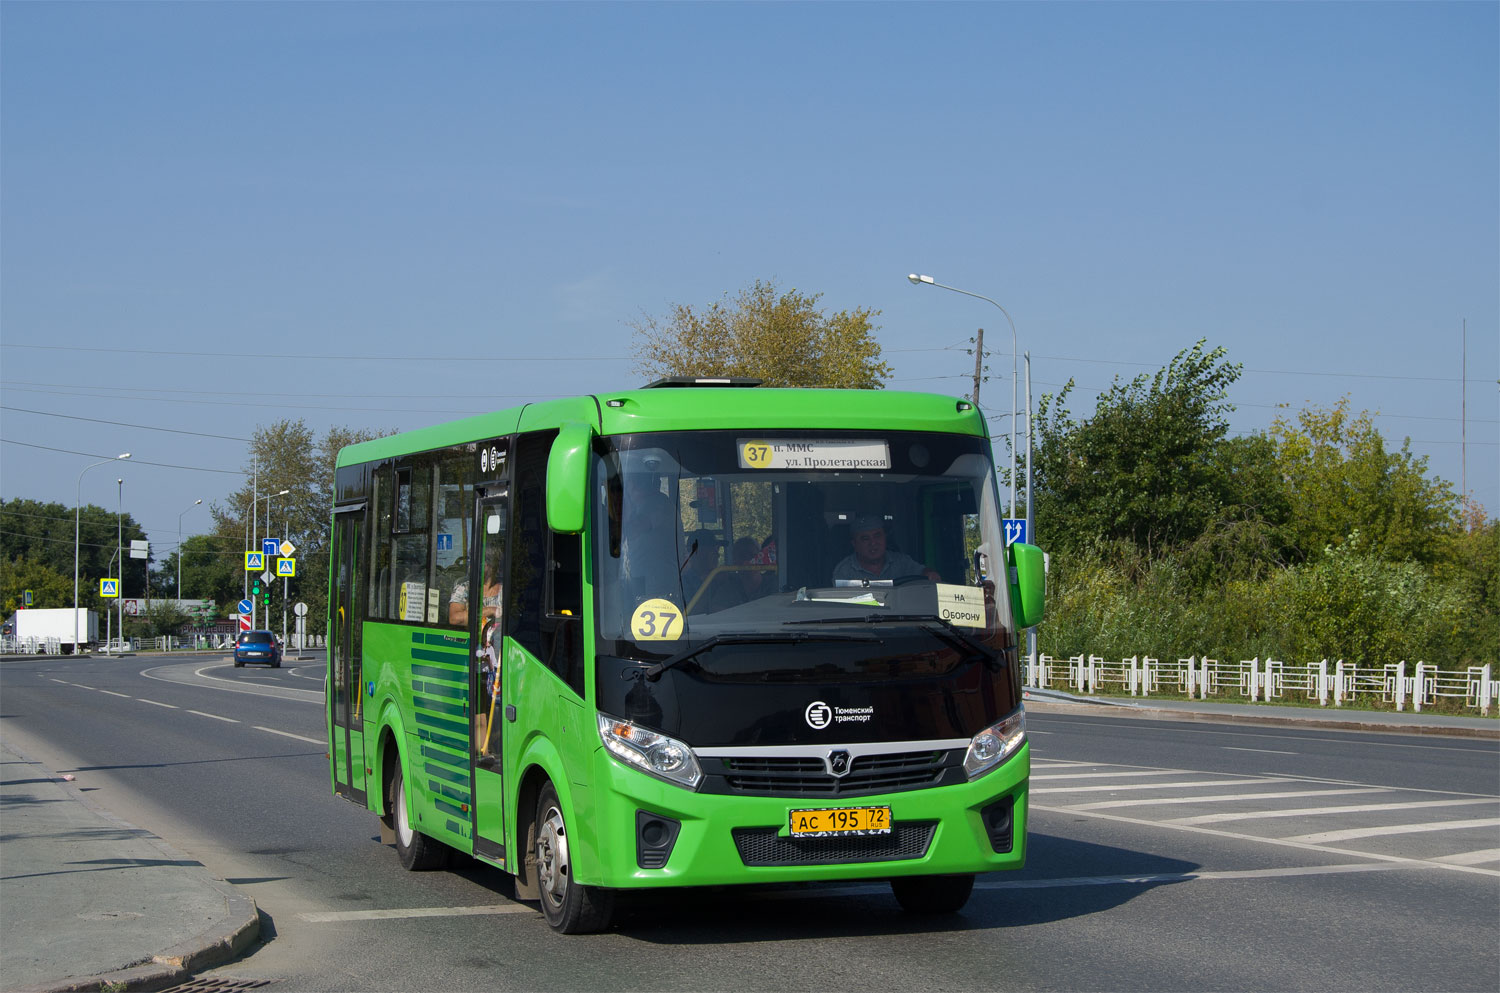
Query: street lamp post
x=179, y=551
x=918, y=280
x=77, y=511
x=120, y=551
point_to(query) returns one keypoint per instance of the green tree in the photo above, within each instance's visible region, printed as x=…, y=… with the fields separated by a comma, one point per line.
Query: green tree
x=33, y=531
x=284, y=456
x=49, y=588
x=1346, y=481
x=782, y=339
x=1148, y=468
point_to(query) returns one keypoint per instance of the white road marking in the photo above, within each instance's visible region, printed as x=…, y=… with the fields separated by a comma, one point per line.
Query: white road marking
x=125, y=696
x=1263, y=751
x=1162, y=801
x=1106, y=775
x=1184, y=877
x=1164, y=786
x=1260, y=839
x=386, y=915
x=155, y=703
x=288, y=734
x=1373, y=832
x=1471, y=858
x=1360, y=808
x=227, y=720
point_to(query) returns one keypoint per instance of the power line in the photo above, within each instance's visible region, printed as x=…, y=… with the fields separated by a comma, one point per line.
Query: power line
x=96, y=455
x=100, y=420
x=348, y=357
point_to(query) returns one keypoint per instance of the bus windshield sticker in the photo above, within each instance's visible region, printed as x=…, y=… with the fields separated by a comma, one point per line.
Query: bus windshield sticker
x=763, y=453
x=657, y=620
x=961, y=605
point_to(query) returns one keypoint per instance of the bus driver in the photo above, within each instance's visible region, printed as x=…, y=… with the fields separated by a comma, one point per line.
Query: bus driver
x=871, y=559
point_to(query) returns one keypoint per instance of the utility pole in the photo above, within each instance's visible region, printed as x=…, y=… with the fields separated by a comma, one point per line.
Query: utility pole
x=1463, y=414
x=978, y=363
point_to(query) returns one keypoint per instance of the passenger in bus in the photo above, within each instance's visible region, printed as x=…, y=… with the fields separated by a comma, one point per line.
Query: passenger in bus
x=458, y=600
x=748, y=580
x=872, y=560
x=648, y=548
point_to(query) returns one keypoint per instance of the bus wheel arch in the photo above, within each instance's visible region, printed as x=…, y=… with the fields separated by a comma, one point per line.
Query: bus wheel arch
x=525, y=820
x=569, y=906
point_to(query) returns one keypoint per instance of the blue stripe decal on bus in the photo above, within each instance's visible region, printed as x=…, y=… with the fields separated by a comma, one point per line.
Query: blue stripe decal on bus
x=457, y=744
x=452, y=658
x=438, y=789
x=450, y=808
x=457, y=727
x=438, y=707
x=432, y=672
x=458, y=763
x=447, y=775
x=440, y=689
x=442, y=640
x=462, y=830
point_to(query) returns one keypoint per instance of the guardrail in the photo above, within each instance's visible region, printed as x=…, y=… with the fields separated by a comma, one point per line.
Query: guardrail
x=1328, y=681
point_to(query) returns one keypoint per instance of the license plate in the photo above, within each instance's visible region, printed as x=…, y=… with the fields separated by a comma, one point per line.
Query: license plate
x=827, y=821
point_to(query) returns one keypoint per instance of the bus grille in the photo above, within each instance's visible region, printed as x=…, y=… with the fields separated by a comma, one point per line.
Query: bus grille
x=764, y=846
x=807, y=776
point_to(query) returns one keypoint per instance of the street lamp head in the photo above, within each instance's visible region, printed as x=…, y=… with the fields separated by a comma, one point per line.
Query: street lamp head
x=123, y=455
x=919, y=280
x=196, y=502
x=283, y=492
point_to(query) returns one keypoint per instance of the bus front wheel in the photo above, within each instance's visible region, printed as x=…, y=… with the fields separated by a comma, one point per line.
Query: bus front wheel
x=416, y=851
x=569, y=906
x=932, y=894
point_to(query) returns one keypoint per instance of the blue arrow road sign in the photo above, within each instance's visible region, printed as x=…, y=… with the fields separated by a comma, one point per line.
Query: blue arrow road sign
x=246, y=606
x=1015, y=530
x=270, y=547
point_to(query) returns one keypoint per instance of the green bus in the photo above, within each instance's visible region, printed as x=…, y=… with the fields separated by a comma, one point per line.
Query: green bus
x=699, y=633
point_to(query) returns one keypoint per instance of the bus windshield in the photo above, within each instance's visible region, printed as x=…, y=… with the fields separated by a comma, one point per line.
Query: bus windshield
x=703, y=539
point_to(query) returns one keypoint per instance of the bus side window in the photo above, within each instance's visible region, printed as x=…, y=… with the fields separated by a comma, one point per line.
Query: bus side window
x=380, y=546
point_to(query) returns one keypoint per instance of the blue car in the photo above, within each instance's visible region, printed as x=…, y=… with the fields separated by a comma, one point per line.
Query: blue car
x=257, y=646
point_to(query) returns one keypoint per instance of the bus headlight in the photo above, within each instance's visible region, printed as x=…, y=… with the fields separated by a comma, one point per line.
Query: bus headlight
x=995, y=744
x=663, y=757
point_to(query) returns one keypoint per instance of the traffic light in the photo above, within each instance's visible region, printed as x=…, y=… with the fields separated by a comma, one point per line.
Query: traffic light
x=262, y=596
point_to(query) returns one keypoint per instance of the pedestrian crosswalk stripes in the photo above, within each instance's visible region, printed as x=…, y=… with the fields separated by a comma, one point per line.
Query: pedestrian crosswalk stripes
x=1457, y=831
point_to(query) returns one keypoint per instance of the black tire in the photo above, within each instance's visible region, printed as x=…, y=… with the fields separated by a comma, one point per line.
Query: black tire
x=276, y=664
x=932, y=894
x=418, y=853
x=569, y=906
x=238, y=664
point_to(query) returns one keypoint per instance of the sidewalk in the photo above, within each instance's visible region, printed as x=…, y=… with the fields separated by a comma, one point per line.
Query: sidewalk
x=1343, y=718
x=88, y=900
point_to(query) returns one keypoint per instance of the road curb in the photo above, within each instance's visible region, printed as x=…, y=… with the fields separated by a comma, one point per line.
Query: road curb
x=1112, y=709
x=177, y=964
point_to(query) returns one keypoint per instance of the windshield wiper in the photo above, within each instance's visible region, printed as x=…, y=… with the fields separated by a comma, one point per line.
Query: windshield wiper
x=939, y=627
x=772, y=638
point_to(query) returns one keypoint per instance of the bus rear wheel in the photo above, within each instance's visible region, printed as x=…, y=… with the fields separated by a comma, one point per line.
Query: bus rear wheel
x=417, y=852
x=932, y=894
x=569, y=906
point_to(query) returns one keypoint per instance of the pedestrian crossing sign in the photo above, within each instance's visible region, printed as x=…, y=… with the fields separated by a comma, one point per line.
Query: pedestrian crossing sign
x=255, y=561
x=286, y=567
x=109, y=587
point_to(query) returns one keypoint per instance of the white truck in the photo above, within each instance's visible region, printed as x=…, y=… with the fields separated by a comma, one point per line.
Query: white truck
x=36, y=626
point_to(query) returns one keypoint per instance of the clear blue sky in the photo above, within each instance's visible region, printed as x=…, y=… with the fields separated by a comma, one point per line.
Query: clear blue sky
x=1313, y=186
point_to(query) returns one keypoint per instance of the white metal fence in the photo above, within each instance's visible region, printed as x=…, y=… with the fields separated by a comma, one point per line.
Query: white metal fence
x=1327, y=682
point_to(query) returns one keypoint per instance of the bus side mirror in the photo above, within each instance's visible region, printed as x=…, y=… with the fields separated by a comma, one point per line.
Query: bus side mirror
x=1028, y=583
x=567, y=478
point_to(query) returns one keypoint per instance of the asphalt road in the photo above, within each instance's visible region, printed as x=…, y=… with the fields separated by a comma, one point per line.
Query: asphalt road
x=1163, y=856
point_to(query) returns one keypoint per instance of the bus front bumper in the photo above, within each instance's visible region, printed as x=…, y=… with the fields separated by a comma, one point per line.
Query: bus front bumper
x=647, y=833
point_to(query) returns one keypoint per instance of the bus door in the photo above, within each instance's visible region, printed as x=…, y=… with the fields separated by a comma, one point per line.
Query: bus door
x=347, y=737
x=487, y=720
